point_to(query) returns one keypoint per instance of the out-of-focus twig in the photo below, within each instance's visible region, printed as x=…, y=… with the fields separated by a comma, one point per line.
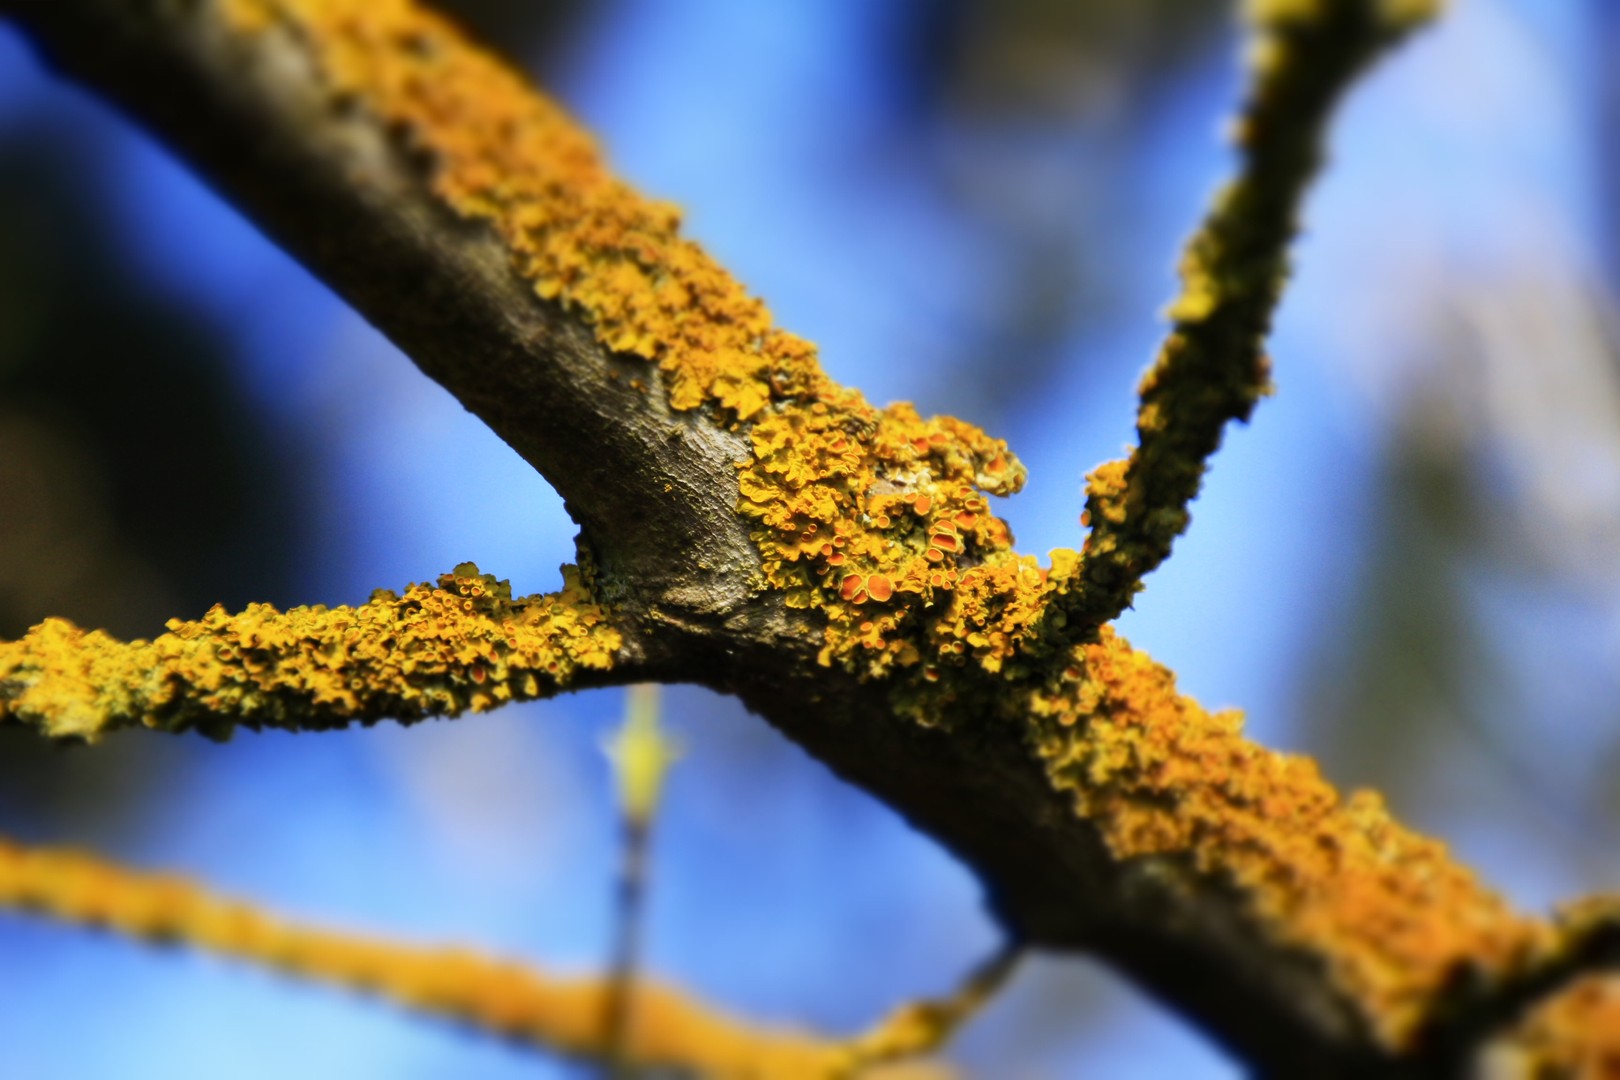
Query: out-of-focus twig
x=641, y=754
x=672, y=1030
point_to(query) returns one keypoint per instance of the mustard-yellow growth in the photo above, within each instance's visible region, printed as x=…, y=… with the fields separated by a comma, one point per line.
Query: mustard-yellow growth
x=670, y=1031
x=438, y=650
x=1390, y=913
x=876, y=519
x=1575, y=1033
x=869, y=514
x=503, y=154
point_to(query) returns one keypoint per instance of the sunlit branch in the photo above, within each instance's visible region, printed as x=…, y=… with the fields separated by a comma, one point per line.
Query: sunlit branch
x=921, y=1027
x=562, y=1015
x=1213, y=368
x=437, y=650
x=773, y=535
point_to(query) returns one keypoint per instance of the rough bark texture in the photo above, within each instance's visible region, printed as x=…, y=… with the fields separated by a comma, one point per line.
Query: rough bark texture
x=1224, y=922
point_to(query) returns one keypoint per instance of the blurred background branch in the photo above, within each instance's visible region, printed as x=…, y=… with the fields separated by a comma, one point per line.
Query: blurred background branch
x=669, y=1031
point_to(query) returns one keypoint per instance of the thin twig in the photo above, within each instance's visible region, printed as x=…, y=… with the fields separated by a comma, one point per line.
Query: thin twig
x=641, y=755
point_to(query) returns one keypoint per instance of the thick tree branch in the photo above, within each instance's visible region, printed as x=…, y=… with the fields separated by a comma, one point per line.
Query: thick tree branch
x=761, y=530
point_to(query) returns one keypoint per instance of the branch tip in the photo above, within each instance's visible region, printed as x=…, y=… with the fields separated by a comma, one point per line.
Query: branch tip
x=463, y=644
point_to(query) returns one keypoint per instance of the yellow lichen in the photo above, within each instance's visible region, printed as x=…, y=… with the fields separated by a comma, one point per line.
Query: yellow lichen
x=504, y=154
x=669, y=1029
x=877, y=517
x=827, y=468
x=1212, y=368
x=841, y=495
x=1389, y=912
x=1574, y=1036
x=438, y=650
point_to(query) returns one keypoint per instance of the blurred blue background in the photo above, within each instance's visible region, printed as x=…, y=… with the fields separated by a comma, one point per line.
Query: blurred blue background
x=1409, y=564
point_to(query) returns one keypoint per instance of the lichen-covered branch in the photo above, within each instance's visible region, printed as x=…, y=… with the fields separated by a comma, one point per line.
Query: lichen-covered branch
x=1573, y=1035
x=921, y=1027
x=1213, y=367
x=1389, y=915
x=669, y=1030
x=438, y=650
x=757, y=528
x=1558, y=1017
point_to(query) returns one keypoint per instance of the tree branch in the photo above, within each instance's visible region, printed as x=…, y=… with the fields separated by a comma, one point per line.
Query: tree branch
x=1212, y=368
x=763, y=531
x=259, y=113
x=436, y=651
x=670, y=1030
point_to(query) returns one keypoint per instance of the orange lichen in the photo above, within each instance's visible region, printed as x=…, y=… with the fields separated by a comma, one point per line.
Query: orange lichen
x=840, y=495
x=1212, y=368
x=461, y=645
x=900, y=506
x=1575, y=1036
x=830, y=477
x=669, y=1030
x=1388, y=911
x=504, y=154
x=879, y=587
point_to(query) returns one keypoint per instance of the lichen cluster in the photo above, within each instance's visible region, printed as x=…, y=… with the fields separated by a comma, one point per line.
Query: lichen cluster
x=439, y=650
x=1389, y=911
x=877, y=518
x=1573, y=1036
x=506, y=155
x=874, y=516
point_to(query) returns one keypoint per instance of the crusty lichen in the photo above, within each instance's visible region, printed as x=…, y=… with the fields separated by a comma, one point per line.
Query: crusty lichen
x=670, y=1029
x=871, y=515
x=1388, y=911
x=876, y=518
x=1213, y=368
x=504, y=154
x=438, y=650
x=1573, y=1036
